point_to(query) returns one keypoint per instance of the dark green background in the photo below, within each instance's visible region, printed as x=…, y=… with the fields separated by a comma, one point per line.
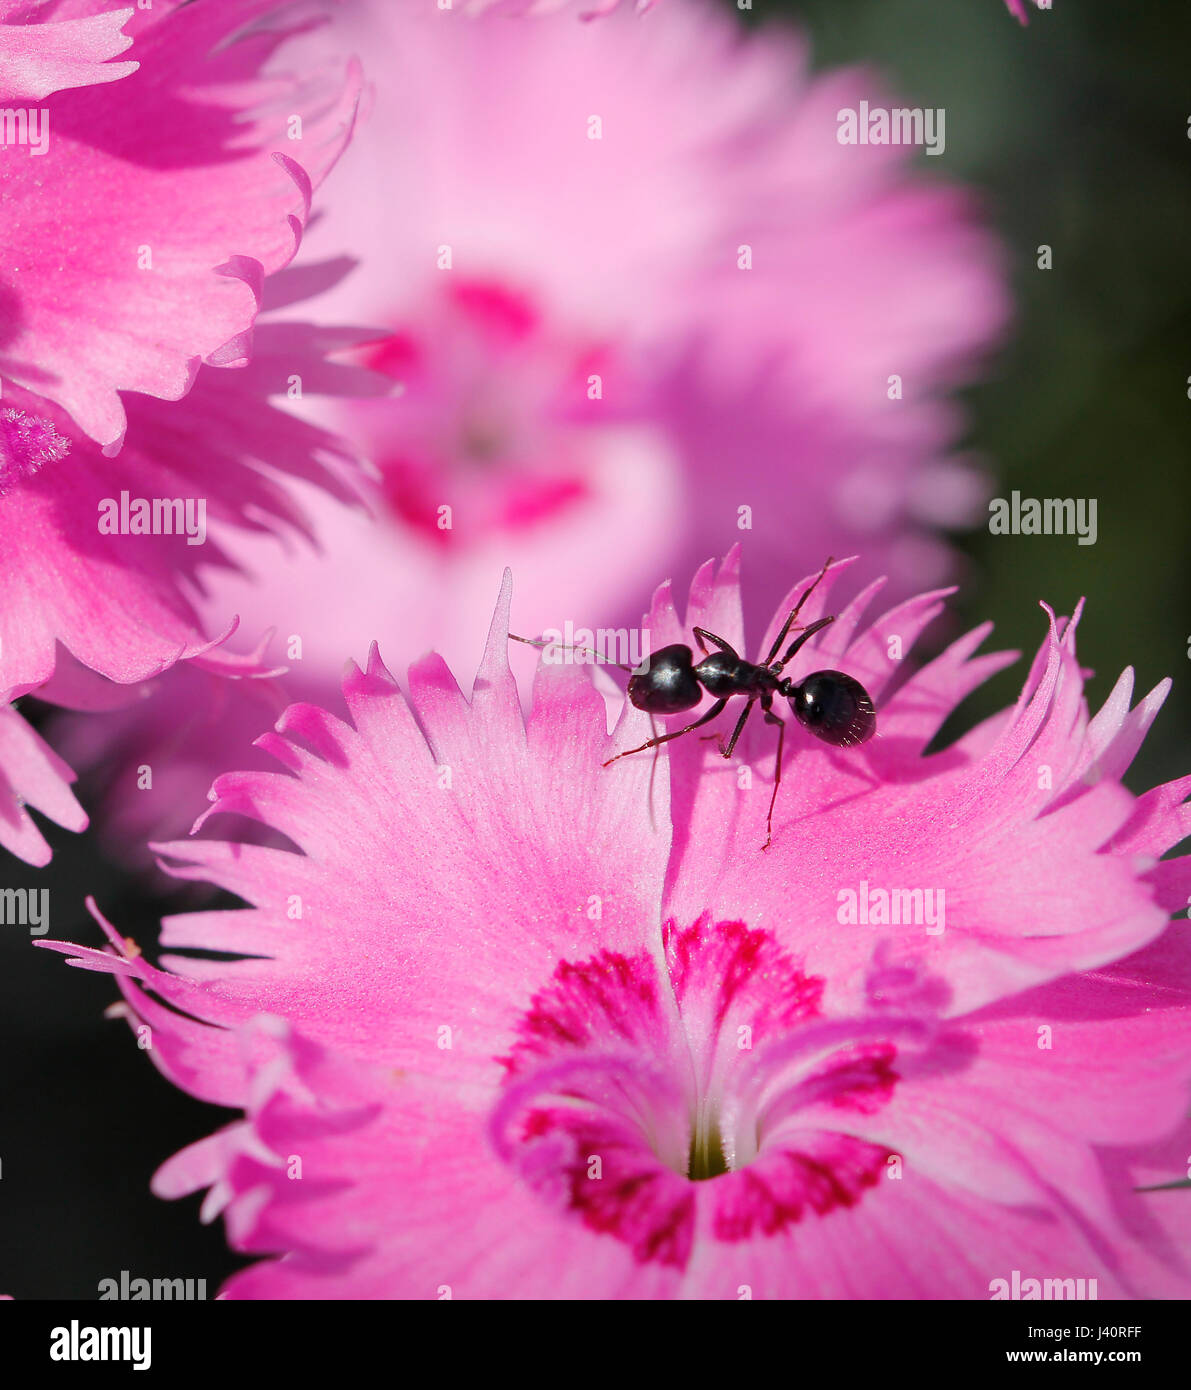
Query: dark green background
x=1075, y=130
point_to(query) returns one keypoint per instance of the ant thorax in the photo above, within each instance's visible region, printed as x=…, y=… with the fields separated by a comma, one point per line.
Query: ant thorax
x=725, y=673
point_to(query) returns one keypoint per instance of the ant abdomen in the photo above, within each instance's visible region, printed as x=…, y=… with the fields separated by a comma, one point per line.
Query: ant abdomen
x=834, y=707
x=669, y=686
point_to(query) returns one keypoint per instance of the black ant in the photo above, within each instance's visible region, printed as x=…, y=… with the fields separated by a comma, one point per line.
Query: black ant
x=832, y=706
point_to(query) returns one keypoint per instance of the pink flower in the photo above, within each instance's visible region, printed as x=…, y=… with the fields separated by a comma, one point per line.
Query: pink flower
x=31, y=774
x=581, y=352
x=142, y=247
x=91, y=569
x=512, y=1024
x=171, y=726
x=71, y=48
x=136, y=249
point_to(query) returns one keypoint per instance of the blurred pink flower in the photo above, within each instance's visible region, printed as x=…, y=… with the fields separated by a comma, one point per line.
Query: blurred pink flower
x=593, y=387
x=79, y=577
x=516, y=1025
x=31, y=774
x=139, y=248
x=136, y=248
x=145, y=752
x=71, y=48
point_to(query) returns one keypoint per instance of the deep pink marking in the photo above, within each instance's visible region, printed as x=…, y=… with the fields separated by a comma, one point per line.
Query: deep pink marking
x=608, y=1008
x=607, y=996
x=862, y=1077
x=414, y=494
x=495, y=307
x=396, y=356
x=780, y=1188
x=632, y=1196
x=729, y=959
x=533, y=498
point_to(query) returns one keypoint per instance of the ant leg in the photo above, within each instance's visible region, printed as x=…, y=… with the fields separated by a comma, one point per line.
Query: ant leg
x=786, y=626
x=717, y=708
x=653, y=772
x=804, y=636
x=701, y=633
x=739, y=729
x=771, y=718
x=599, y=656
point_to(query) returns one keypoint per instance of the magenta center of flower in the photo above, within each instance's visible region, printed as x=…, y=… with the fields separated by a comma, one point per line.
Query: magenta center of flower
x=494, y=398
x=705, y=1091
x=27, y=443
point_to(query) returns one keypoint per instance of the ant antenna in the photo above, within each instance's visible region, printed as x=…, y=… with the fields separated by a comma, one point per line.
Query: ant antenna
x=794, y=612
x=542, y=642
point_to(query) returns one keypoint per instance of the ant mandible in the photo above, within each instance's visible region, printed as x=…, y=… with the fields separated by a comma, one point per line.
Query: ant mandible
x=832, y=706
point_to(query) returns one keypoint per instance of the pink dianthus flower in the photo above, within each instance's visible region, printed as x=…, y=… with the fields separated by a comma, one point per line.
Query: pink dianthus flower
x=630, y=272
x=515, y=1024
x=137, y=255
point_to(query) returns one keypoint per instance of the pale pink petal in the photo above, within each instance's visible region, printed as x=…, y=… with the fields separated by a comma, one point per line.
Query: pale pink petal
x=32, y=774
x=137, y=245
x=124, y=604
x=70, y=49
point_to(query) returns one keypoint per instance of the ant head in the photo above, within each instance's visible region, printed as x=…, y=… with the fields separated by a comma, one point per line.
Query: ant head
x=834, y=707
x=669, y=685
